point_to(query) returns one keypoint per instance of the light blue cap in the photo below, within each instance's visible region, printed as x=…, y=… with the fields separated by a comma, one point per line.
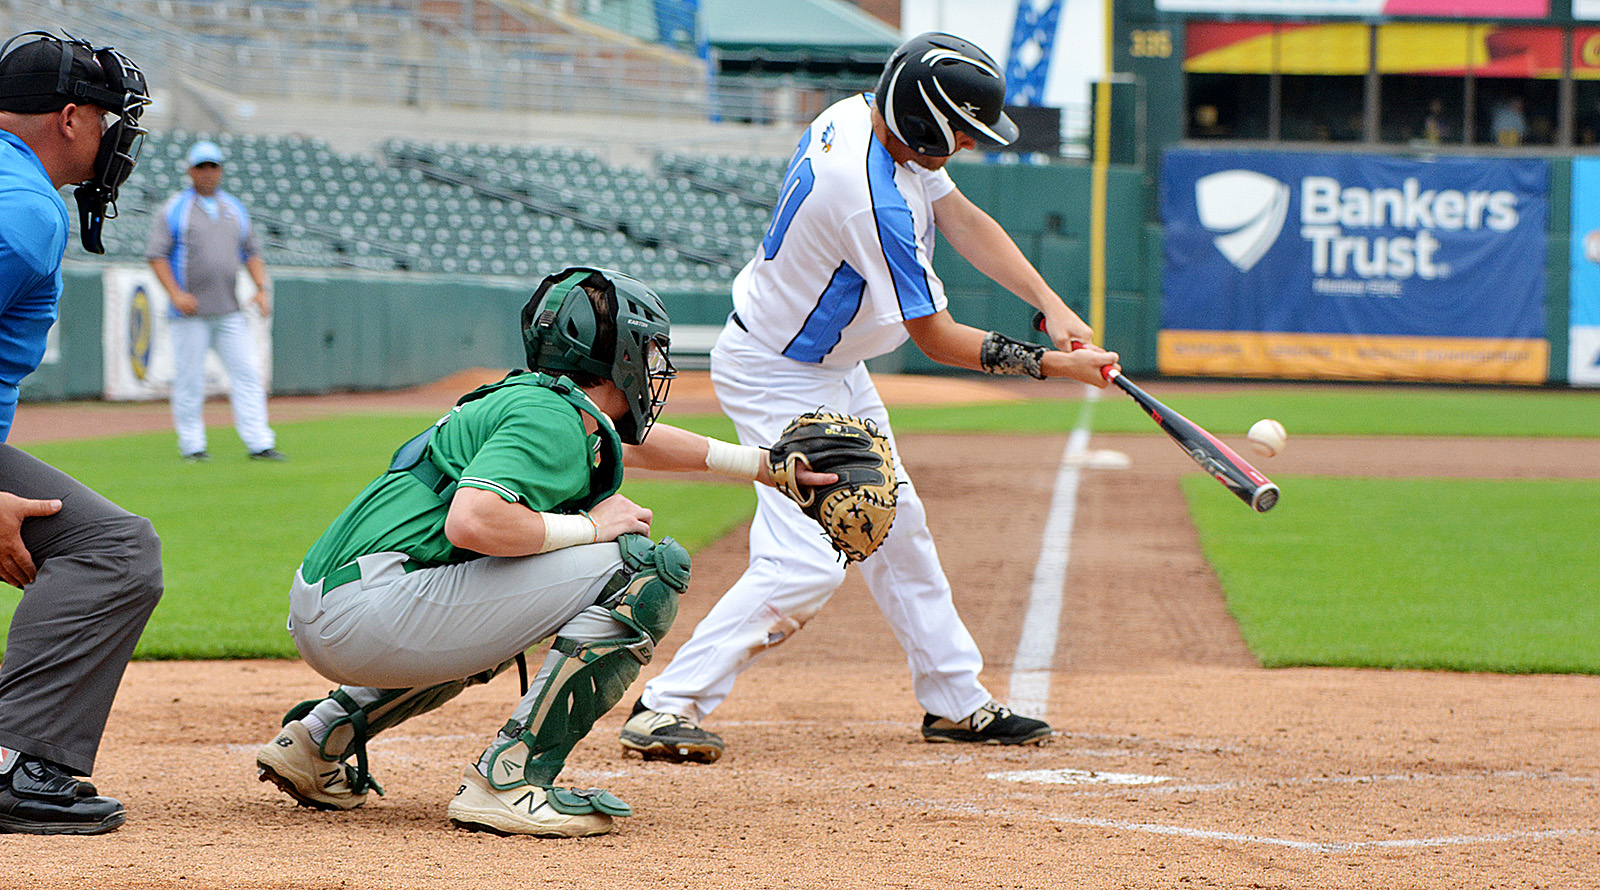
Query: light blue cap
x=205, y=152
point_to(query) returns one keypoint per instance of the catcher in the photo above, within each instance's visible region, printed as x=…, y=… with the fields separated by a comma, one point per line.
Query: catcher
x=495, y=528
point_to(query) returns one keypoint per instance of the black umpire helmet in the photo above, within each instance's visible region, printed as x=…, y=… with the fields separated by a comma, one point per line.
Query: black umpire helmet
x=42, y=73
x=937, y=85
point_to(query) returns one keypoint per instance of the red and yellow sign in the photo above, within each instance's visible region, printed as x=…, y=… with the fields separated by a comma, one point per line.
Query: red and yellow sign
x=1442, y=49
x=1586, y=53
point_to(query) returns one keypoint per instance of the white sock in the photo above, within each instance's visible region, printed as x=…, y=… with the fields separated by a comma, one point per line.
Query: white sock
x=316, y=727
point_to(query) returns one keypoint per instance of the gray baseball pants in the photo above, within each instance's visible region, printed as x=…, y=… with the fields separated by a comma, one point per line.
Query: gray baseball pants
x=75, y=628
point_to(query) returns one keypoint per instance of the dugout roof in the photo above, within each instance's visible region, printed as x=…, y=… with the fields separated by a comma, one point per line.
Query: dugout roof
x=806, y=33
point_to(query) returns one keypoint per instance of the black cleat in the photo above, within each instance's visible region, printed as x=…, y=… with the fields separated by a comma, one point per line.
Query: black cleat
x=658, y=736
x=992, y=724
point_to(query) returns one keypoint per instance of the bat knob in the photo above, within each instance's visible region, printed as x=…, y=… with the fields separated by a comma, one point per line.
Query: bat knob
x=1265, y=498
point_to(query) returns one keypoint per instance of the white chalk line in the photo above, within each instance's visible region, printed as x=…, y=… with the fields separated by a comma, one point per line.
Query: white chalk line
x=1153, y=789
x=1309, y=846
x=1327, y=846
x=1030, y=672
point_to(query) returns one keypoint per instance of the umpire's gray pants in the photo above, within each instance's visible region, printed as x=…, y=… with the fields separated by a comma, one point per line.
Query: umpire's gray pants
x=75, y=628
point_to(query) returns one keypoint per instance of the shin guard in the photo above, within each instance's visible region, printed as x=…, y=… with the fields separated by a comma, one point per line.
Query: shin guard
x=593, y=676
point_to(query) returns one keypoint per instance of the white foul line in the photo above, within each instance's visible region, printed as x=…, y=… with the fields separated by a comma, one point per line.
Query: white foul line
x=1030, y=671
x=1307, y=846
x=1328, y=847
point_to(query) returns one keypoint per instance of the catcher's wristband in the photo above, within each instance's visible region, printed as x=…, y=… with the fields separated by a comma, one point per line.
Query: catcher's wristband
x=739, y=461
x=567, y=530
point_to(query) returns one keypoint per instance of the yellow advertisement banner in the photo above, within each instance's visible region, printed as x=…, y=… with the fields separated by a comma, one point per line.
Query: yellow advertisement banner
x=1224, y=47
x=1407, y=47
x=1353, y=357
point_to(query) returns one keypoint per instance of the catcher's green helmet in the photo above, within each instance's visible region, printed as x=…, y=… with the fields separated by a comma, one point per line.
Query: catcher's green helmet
x=565, y=330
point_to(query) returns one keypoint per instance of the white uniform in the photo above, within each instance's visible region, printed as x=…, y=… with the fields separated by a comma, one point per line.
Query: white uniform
x=846, y=261
x=206, y=239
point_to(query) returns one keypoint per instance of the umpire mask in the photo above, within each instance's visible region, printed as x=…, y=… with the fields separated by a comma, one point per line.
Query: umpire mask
x=48, y=73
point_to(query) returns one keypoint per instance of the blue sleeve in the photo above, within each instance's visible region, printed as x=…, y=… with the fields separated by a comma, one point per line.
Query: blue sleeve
x=897, y=237
x=30, y=287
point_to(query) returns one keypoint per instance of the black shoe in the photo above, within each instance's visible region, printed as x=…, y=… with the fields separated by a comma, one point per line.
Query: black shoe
x=197, y=457
x=992, y=724
x=39, y=797
x=269, y=454
x=660, y=736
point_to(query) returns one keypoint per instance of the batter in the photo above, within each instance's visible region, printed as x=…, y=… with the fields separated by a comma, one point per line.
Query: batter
x=845, y=274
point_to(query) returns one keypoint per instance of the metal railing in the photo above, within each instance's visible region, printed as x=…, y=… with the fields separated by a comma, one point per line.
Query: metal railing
x=349, y=58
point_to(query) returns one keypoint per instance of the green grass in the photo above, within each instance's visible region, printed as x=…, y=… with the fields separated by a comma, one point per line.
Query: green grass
x=1345, y=411
x=1475, y=575
x=1452, y=574
x=233, y=530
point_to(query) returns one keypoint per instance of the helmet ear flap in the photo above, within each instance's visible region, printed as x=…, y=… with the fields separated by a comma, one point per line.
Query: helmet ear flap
x=923, y=137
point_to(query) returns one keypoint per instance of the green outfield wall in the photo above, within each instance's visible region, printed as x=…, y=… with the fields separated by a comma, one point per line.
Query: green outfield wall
x=338, y=330
x=345, y=330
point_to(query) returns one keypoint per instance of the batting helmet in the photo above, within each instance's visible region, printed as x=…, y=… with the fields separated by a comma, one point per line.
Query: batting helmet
x=937, y=85
x=596, y=324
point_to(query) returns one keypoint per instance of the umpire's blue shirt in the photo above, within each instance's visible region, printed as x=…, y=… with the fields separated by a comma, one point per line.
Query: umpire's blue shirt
x=33, y=238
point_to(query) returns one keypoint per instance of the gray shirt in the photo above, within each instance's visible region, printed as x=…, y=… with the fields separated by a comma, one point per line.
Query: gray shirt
x=205, y=241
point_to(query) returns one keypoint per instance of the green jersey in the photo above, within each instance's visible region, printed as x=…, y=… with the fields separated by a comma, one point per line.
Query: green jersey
x=526, y=443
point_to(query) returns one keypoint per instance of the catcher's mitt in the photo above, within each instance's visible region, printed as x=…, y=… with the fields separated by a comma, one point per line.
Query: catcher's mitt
x=855, y=512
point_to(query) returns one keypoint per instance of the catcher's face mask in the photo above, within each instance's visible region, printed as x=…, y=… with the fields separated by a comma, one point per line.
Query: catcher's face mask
x=645, y=405
x=84, y=75
x=562, y=333
x=641, y=368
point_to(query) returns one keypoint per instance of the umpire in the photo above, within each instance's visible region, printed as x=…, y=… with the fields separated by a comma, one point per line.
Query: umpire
x=90, y=571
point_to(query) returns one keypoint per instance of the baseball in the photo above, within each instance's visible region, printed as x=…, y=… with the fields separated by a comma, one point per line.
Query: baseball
x=1267, y=437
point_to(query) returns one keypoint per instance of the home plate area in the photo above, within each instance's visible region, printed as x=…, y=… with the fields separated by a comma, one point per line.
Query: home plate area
x=1315, y=814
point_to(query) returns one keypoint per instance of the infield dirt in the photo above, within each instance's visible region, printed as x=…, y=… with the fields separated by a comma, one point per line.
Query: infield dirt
x=1179, y=763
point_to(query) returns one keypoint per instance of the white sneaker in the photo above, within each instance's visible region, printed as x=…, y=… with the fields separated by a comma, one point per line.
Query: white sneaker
x=294, y=763
x=522, y=810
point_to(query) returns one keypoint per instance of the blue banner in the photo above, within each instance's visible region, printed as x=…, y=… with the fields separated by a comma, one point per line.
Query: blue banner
x=1354, y=266
x=1583, y=352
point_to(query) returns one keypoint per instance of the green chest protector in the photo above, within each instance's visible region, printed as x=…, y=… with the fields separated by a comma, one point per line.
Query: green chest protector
x=605, y=474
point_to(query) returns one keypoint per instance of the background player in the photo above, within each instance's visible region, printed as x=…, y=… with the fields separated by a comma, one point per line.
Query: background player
x=197, y=243
x=845, y=274
x=496, y=528
x=90, y=571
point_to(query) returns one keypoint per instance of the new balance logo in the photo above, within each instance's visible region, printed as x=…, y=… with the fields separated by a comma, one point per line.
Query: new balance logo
x=1246, y=208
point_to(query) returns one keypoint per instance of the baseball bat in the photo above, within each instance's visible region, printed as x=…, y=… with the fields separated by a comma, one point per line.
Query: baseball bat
x=1222, y=462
